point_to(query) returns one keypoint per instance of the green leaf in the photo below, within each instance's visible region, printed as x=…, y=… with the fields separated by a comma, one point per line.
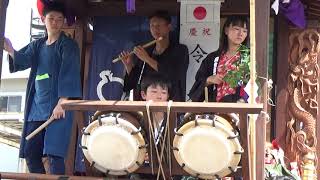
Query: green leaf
x=243, y=71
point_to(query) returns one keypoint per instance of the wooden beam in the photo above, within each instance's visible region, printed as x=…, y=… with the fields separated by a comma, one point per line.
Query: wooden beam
x=82, y=8
x=71, y=156
x=260, y=144
x=80, y=38
x=262, y=14
x=234, y=7
x=316, y=14
x=85, y=105
x=145, y=8
x=282, y=29
x=244, y=136
x=118, y=8
x=315, y=10
x=312, y=7
x=313, y=17
x=81, y=123
x=262, y=39
x=315, y=4
x=3, y=12
x=85, y=69
x=34, y=176
x=76, y=7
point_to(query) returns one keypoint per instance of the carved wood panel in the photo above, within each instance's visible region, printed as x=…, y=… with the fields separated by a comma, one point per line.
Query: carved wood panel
x=303, y=88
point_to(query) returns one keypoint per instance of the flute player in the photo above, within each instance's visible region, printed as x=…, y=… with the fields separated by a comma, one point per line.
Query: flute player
x=169, y=59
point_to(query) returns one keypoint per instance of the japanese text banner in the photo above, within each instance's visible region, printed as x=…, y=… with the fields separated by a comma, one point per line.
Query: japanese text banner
x=199, y=31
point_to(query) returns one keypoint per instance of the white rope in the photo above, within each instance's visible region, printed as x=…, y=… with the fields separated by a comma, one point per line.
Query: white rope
x=166, y=132
x=150, y=136
x=153, y=139
x=169, y=140
x=270, y=86
x=265, y=115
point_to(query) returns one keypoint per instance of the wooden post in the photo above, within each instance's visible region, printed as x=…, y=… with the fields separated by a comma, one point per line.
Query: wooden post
x=282, y=28
x=80, y=38
x=245, y=157
x=262, y=14
x=81, y=124
x=70, y=160
x=260, y=144
x=252, y=133
x=3, y=12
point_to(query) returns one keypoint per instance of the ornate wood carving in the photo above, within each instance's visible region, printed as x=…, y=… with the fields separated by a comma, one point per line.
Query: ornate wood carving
x=303, y=87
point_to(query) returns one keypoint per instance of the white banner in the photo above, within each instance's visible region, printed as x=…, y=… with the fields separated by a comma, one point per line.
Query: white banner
x=199, y=31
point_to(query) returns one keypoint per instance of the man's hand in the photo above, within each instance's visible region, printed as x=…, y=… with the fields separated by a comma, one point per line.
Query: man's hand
x=214, y=79
x=7, y=46
x=141, y=53
x=58, y=112
x=126, y=59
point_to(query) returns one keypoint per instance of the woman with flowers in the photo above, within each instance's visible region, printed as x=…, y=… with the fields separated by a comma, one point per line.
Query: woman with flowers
x=225, y=71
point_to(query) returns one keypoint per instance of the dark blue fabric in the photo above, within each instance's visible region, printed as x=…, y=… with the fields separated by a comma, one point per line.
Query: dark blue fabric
x=41, y=101
x=58, y=135
x=111, y=36
x=65, y=79
x=35, y=165
x=56, y=165
x=34, y=148
x=54, y=139
x=34, y=152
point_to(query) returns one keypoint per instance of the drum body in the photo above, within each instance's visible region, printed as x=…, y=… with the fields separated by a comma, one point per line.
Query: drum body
x=207, y=147
x=113, y=143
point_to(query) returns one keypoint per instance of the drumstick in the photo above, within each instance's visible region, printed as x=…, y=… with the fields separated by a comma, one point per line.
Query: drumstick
x=36, y=131
x=144, y=46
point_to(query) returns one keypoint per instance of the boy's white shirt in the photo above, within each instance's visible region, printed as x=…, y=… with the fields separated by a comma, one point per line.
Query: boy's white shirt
x=158, y=132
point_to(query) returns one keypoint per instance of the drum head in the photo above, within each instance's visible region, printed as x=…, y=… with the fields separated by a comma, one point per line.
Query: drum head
x=203, y=148
x=113, y=146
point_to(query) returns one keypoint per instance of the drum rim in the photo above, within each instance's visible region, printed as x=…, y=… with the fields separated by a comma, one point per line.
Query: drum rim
x=207, y=123
x=138, y=137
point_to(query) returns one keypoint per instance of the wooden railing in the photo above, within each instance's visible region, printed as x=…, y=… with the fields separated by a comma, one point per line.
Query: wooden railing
x=34, y=176
x=80, y=107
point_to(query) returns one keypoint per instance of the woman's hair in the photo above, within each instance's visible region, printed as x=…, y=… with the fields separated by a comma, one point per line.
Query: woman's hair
x=155, y=79
x=241, y=21
x=53, y=6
